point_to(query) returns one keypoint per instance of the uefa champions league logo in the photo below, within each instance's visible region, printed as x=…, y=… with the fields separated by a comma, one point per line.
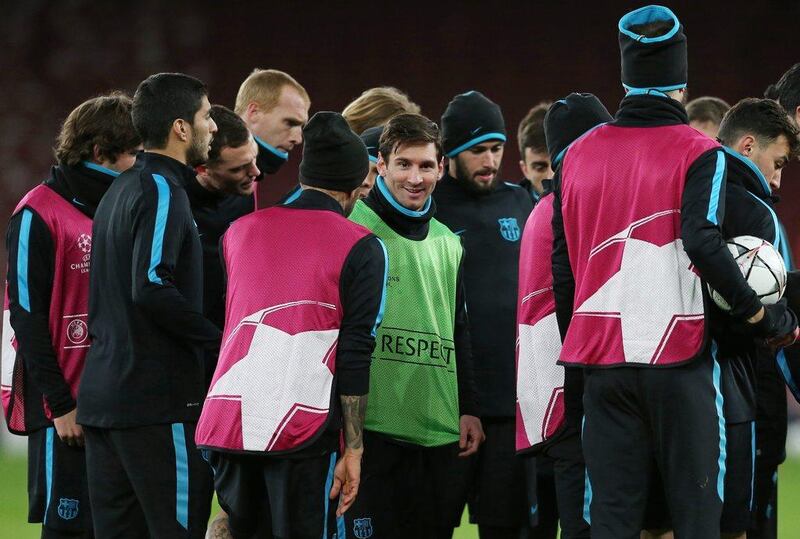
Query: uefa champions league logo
x=85, y=243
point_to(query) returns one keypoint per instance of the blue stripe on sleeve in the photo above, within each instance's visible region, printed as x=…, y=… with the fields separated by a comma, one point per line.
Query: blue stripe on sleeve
x=752, y=462
x=22, y=259
x=48, y=469
x=328, y=486
x=716, y=188
x=382, y=307
x=776, y=242
x=162, y=211
x=783, y=366
x=719, y=401
x=587, y=486
x=181, y=475
x=341, y=529
x=785, y=252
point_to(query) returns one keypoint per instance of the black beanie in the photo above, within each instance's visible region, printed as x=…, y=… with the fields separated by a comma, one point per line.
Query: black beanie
x=569, y=118
x=652, y=63
x=372, y=138
x=334, y=157
x=470, y=119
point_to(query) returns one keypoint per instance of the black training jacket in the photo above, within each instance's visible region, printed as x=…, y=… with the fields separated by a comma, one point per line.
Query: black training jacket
x=145, y=366
x=748, y=212
x=490, y=226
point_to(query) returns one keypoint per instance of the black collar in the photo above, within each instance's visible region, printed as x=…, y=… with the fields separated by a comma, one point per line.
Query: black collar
x=82, y=185
x=650, y=111
x=311, y=199
x=176, y=171
x=202, y=196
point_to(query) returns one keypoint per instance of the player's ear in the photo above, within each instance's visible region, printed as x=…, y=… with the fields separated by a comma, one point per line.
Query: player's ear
x=381, y=165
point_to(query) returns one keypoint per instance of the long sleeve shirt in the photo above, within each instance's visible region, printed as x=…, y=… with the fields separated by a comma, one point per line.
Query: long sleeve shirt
x=145, y=304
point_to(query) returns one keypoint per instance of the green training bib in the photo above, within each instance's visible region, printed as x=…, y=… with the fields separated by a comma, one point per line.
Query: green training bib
x=413, y=386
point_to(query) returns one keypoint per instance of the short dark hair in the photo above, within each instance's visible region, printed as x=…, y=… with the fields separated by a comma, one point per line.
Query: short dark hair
x=762, y=118
x=530, y=133
x=653, y=28
x=787, y=90
x=409, y=128
x=707, y=109
x=160, y=100
x=231, y=132
x=104, y=121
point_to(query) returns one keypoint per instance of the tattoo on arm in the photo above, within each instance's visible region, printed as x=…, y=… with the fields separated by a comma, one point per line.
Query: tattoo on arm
x=354, y=408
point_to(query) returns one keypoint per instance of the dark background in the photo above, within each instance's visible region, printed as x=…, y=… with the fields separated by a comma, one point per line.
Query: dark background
x=53, y=55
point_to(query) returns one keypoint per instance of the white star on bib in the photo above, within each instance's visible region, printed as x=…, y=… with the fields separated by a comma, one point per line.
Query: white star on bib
x=280, y=375
x=653, y=289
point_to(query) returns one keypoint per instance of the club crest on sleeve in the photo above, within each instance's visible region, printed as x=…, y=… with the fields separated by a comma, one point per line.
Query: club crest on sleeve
x=67, y=508
x=509, y=228
x=362, y=528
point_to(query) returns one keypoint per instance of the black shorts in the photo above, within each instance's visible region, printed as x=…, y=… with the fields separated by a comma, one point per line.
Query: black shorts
x=739, y=493
x=669, y=418
x=740, y=467
x=407, y=490
x=148, y=481
x=58, y=493
x=764, y=522
x=498, y=491
x=280, y=498
x=570, y=485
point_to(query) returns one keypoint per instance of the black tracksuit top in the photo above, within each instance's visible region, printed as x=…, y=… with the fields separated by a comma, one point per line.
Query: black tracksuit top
x=145, y=366
x=490, y=226
x=746, y=214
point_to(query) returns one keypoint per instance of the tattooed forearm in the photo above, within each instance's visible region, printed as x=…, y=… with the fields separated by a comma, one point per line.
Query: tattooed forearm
x=353, y=411
x=218, y=529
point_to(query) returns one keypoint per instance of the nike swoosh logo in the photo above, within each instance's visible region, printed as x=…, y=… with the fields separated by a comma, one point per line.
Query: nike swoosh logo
x=459, y=232
x=476, y=130
x=78, y=202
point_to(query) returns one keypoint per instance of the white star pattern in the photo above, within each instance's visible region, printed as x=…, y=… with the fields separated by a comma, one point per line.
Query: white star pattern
x=649, y=296
x=539, y=378
x=280, y=375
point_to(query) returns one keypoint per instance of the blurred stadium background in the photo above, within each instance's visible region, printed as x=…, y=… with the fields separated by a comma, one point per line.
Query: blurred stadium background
x=54, y=55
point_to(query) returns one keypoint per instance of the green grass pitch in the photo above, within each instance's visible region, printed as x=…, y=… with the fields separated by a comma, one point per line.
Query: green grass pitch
x=13, y=501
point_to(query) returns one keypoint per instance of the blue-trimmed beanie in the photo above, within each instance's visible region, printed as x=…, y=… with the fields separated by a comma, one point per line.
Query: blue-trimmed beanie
x=569, y=118
x=652, y=63
x=470, y=119
x=371, y=138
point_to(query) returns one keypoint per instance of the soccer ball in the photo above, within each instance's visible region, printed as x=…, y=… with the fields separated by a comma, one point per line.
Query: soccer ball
x=761, y=265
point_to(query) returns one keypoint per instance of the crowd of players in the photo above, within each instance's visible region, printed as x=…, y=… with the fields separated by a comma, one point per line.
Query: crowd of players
x=342, y=364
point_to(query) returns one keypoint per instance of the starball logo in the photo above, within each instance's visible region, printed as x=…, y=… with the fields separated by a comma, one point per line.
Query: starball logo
x=85, y=246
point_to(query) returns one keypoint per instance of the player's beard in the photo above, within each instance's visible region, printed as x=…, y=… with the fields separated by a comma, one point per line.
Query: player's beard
x=197, y=154
x=468, y=181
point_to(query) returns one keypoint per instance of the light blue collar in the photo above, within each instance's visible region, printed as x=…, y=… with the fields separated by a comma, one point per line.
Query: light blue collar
x=396, y=205
x=271, y=148
x=99, y=168
x=747, y=161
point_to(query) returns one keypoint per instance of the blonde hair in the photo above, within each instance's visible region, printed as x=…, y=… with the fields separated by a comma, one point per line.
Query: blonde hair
x=263, y=86
x=376, y=106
